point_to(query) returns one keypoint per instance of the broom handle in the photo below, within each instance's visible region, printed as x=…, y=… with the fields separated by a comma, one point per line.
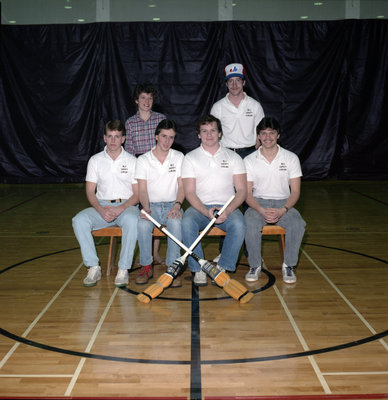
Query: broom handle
x=203, y=233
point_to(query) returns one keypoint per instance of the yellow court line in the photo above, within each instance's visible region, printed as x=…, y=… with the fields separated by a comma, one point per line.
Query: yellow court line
x=354, y=309
x=90, y=344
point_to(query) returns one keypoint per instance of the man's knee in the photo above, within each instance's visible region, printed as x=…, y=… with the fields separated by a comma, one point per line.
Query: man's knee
x=129, y=217
x=80, y=220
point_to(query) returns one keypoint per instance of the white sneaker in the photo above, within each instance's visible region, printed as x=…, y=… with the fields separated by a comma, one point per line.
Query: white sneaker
x=122, y=278
x=288, y=274
x=200, y=278
x=94, y=275
x=253, y=274
x=217, y=258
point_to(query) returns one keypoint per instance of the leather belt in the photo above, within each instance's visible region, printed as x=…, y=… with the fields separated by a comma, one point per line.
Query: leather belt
x=242, y=148
x=115, y=201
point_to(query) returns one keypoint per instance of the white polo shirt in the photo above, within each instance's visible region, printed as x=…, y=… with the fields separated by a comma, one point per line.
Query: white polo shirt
x=238, y=123
x=162, y=179
x=271, y=180
x=213, y=173
x=114, y=178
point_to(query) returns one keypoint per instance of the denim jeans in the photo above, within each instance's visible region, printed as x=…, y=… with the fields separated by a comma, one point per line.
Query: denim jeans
x=145, y=227
x=234, y=227
x=89, y=219
x=291, y=221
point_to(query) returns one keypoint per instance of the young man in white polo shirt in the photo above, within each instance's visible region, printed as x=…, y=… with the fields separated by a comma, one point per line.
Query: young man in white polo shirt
x=239, y=113
x=111, y=189
x=158, y=173
x=211, y=174
x=274, y=179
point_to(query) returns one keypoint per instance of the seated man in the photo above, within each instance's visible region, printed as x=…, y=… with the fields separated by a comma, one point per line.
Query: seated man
x=112, y=191
x=211, y=174
x=274, y=177
x=158, y=173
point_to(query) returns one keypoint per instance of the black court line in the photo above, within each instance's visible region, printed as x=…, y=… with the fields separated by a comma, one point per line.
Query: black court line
x=369, y=197
x=189, y=362
x=21, y=203
x=195, y=367
x=195, y=361
x=347, y=251
x=269, y=284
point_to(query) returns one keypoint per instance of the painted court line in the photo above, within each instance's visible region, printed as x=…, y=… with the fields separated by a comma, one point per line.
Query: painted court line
x=90, y=344
x=35, y=376
x=35, y=321
x=303, y=342
x=357, y=373
x=365, y=322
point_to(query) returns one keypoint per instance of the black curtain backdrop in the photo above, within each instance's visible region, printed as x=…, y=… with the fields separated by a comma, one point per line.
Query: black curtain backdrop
x=326, y=83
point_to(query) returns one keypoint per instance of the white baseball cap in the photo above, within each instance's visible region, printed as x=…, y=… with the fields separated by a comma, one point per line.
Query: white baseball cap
x=234, y=70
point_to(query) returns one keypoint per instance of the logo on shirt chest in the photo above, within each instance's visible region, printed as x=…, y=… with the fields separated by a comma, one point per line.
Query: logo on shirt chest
x=249, y=113
x=124, y=169
x=172, y=168
x=224, y=164
x=282, y=167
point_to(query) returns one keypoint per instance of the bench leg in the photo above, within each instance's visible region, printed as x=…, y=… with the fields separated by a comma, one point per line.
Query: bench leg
x=282, y=245
x=111, y=254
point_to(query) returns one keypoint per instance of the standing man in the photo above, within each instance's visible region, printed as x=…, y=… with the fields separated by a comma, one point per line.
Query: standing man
x=140, y=130
x=111, y=189
x=239, y=113
x=158, y=173
x=274, y=179
x=211, y=174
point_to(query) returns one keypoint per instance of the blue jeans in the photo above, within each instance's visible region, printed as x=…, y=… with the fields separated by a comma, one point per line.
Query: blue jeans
x=234, y=226
x=145, y=227
x=89, y=219
x=292, y=222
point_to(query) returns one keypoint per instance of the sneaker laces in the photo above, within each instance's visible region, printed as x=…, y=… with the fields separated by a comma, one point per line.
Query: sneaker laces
x=290, y=271
x=252, y=270
x=146, y=270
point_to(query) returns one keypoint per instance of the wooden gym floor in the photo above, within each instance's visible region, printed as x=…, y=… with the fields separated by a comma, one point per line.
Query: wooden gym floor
x=324, y=337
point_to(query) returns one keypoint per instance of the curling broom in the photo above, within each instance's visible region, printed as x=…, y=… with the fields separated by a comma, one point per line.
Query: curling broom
x=173, y=270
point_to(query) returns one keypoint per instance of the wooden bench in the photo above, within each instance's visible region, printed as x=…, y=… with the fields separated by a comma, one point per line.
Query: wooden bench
x=113, y=232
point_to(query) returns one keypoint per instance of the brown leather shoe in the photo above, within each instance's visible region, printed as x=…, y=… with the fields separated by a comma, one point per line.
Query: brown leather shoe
x=177, y=282
x=146, y=273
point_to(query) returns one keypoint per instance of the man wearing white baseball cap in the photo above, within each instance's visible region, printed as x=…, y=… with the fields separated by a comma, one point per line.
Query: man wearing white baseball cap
x=239, y=113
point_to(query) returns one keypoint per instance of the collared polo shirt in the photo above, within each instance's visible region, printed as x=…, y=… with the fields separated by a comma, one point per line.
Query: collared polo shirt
x=238, y=123
x=213, y=173
x=272, y=180
x=162, y=179
x=114, y=178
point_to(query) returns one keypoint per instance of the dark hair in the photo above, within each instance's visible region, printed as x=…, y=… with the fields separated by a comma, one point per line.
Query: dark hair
x=268, y=122
x=165, y=124
x=145, y=87
x=115, y=125
x=208, y=119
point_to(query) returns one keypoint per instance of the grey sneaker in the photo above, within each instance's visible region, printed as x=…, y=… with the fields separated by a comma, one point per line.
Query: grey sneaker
x=122, y=278
x=253, y=274
x=288, y=274
x=200, y=278
x=94, y=275
x=216, y=259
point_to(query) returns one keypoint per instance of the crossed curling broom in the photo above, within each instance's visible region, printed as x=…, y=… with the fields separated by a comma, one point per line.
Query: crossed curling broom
x=232, y=287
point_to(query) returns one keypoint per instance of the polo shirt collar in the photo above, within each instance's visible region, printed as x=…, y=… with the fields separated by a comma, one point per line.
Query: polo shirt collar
x=263, y=158
x=108, y=156
x=209, y=154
